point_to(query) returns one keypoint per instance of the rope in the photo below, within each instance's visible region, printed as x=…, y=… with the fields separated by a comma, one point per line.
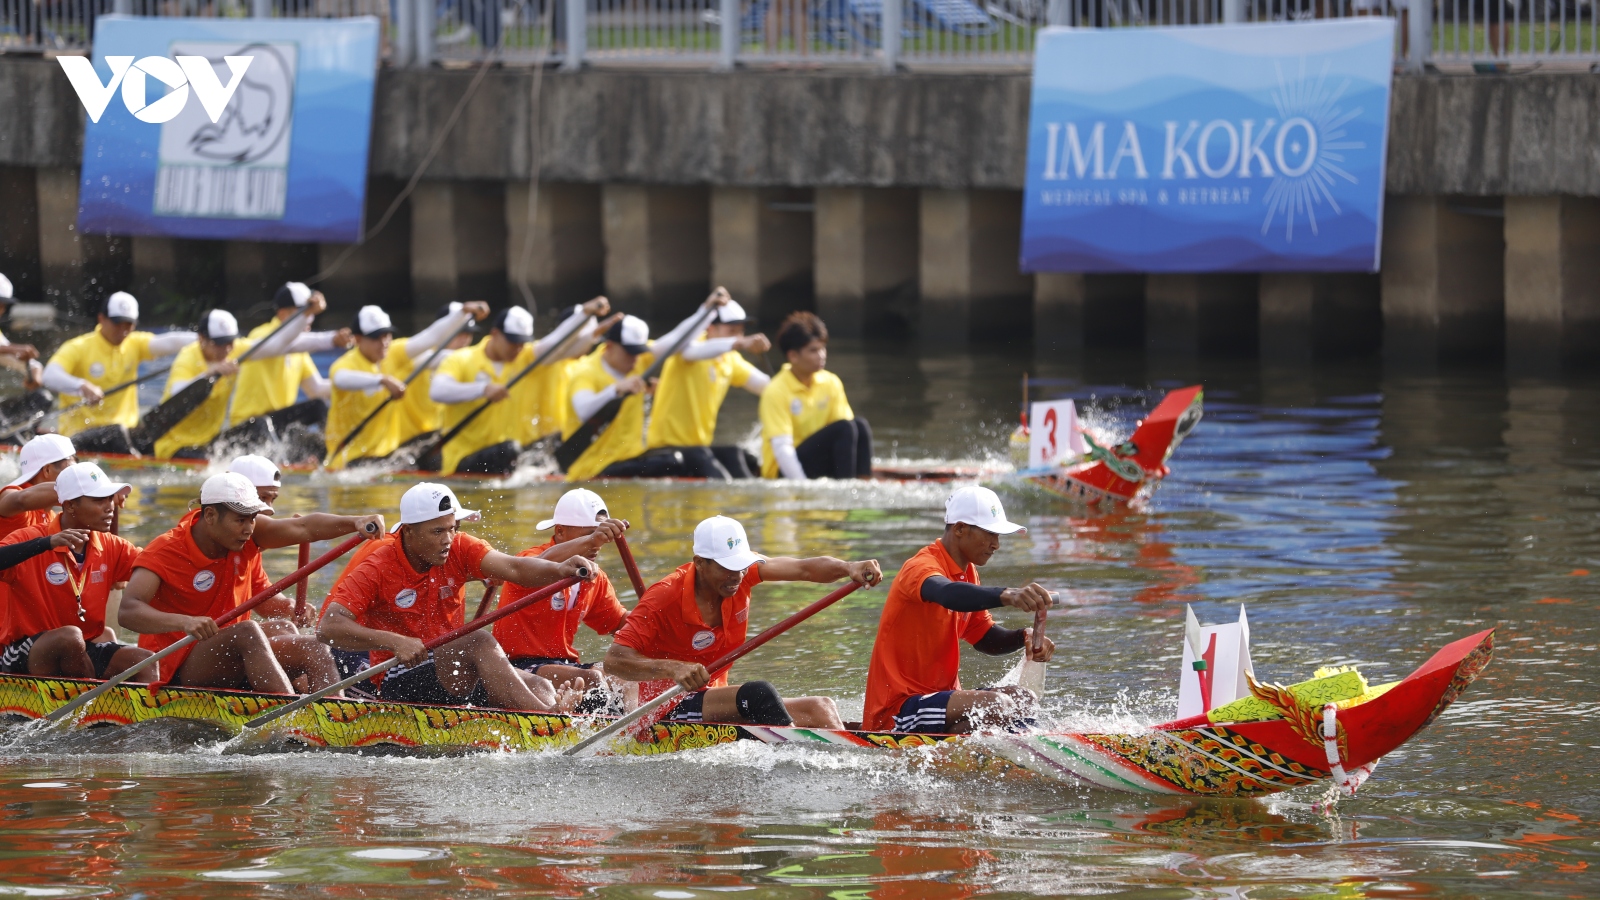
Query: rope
x=411, y=185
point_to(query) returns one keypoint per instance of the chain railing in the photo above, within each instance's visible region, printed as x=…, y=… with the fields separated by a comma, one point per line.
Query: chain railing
x=887, y=34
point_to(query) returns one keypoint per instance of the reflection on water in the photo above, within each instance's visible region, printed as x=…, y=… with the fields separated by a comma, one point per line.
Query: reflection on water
x=1362, y=519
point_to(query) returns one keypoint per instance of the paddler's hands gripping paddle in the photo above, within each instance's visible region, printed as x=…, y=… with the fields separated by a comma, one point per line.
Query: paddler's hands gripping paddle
x=579, y=441
x=421, y=367
x=726, y=660
x=272, y=590
x=433, y=644
x=169, y=412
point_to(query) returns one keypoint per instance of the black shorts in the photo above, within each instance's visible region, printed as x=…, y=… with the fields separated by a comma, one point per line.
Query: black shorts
x=14, y=658
x=924, y=713
x=689, y=709
x=421, y=685
x=531, y=664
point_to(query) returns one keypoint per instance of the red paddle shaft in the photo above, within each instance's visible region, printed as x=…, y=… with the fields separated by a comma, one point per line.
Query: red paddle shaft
x=626, y=554
x=732, y=656
x=300, y=589
x=1038, y=629
x=488, y=597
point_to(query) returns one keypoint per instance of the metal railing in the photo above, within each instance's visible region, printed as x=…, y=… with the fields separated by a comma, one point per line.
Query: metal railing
x=879, y=33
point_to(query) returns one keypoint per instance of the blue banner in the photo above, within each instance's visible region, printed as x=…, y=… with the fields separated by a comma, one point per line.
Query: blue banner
x=1215, y=148
x=285, y=159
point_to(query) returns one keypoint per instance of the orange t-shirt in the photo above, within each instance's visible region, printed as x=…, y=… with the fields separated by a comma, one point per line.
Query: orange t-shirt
x=43, y=587
x=383, y=591
x=547, y=628
x=24, y=519
x=666, y=624
x=194, y=584
x=918, y=649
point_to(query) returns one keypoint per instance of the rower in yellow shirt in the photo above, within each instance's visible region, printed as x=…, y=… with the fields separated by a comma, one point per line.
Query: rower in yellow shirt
x=693, y=385
x=545, y=391
x=216, y=353
x=491, y=443
x=808, y=429
x=375, y=369
x=82, y=369
x=418, y=415
x=616, y=370
x=268, y=386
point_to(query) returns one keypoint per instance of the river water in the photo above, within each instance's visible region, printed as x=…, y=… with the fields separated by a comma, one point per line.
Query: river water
x=1363, y=518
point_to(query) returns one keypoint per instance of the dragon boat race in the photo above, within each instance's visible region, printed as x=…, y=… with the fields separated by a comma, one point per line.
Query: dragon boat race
x=834, y=449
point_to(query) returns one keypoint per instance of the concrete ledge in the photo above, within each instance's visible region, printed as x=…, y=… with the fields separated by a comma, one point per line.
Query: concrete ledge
x=1529, y=135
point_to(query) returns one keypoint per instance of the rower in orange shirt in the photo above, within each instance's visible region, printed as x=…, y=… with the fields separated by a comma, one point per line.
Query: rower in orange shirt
x=211, y=563
x=27, y=500
x=701, y=611
x=539, y=638
x=58, y=609
x=914, y=680
x=412, y=588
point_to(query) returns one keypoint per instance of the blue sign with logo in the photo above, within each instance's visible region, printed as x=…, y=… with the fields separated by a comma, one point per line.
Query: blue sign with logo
x=249, y=129
x=1227, y=148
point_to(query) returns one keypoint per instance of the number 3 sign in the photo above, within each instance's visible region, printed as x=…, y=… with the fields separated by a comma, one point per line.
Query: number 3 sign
x=1053, y=434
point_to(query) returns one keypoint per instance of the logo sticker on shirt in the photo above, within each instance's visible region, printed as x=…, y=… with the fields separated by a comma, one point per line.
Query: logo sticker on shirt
x=703, y=639
x=56, y=574
x=97, y=370
x=795, y=406
x=405, y=599
x=742, y=615
x=558, y=602
x=204, y=580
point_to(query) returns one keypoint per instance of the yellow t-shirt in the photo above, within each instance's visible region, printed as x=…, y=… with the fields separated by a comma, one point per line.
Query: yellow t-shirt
x=203, y=425
x=789, y=407
x=543, y=395
x=415, y=413
x=684, y=412
x=271, y=384
x=93, y=358
x=500, y=422
x=348, y=408
x=624, y=437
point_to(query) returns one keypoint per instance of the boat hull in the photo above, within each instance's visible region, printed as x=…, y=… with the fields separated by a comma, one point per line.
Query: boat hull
x=1237, y=759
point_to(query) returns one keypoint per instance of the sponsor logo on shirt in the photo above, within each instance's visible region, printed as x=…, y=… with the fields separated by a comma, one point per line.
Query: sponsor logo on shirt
x=204, y=580
x=56, y=574
x=97, y=370
x=742, y=615
x=558, y=602
x=703, y=639
x=795, y=406
x=405, y=599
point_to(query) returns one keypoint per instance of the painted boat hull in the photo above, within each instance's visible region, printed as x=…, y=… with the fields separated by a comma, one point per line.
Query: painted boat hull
x=1240, y=759
x=1149, y=447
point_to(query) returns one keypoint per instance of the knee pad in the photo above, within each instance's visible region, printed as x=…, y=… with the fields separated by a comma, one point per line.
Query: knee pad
x=760, y=704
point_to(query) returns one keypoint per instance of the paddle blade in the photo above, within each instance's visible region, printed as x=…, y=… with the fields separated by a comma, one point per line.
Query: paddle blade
x=164, y=416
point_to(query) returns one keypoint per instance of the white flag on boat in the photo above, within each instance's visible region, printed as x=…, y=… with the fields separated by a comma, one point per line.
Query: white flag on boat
x=1053, y=434
x=1215, y=660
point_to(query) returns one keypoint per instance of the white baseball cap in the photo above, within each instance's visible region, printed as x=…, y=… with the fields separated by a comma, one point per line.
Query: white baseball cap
x=372, y=321
x=980, y=508
x=292, y=294
x=515, y=322
x=233, y=491
x=427, y=501
x=40, y=452
x=85, y=479
x=261, y=471
x=731, y=313
x=632, y=333
x=5, y=289
x=121, y=306
x=722, y=540
x=579, y=508
x=220, y=325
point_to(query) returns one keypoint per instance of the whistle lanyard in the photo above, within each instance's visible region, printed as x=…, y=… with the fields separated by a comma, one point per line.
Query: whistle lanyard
x=76, y=583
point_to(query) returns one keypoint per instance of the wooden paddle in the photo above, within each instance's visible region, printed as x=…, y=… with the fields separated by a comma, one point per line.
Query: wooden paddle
x=56, y=413
x=432, y=644
x=168, y=413
x=461, y=426
x=626, y=555
x=272, y=590
x=417, y=370
x=489, y=590
x=579, y=441
x=723, y=662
